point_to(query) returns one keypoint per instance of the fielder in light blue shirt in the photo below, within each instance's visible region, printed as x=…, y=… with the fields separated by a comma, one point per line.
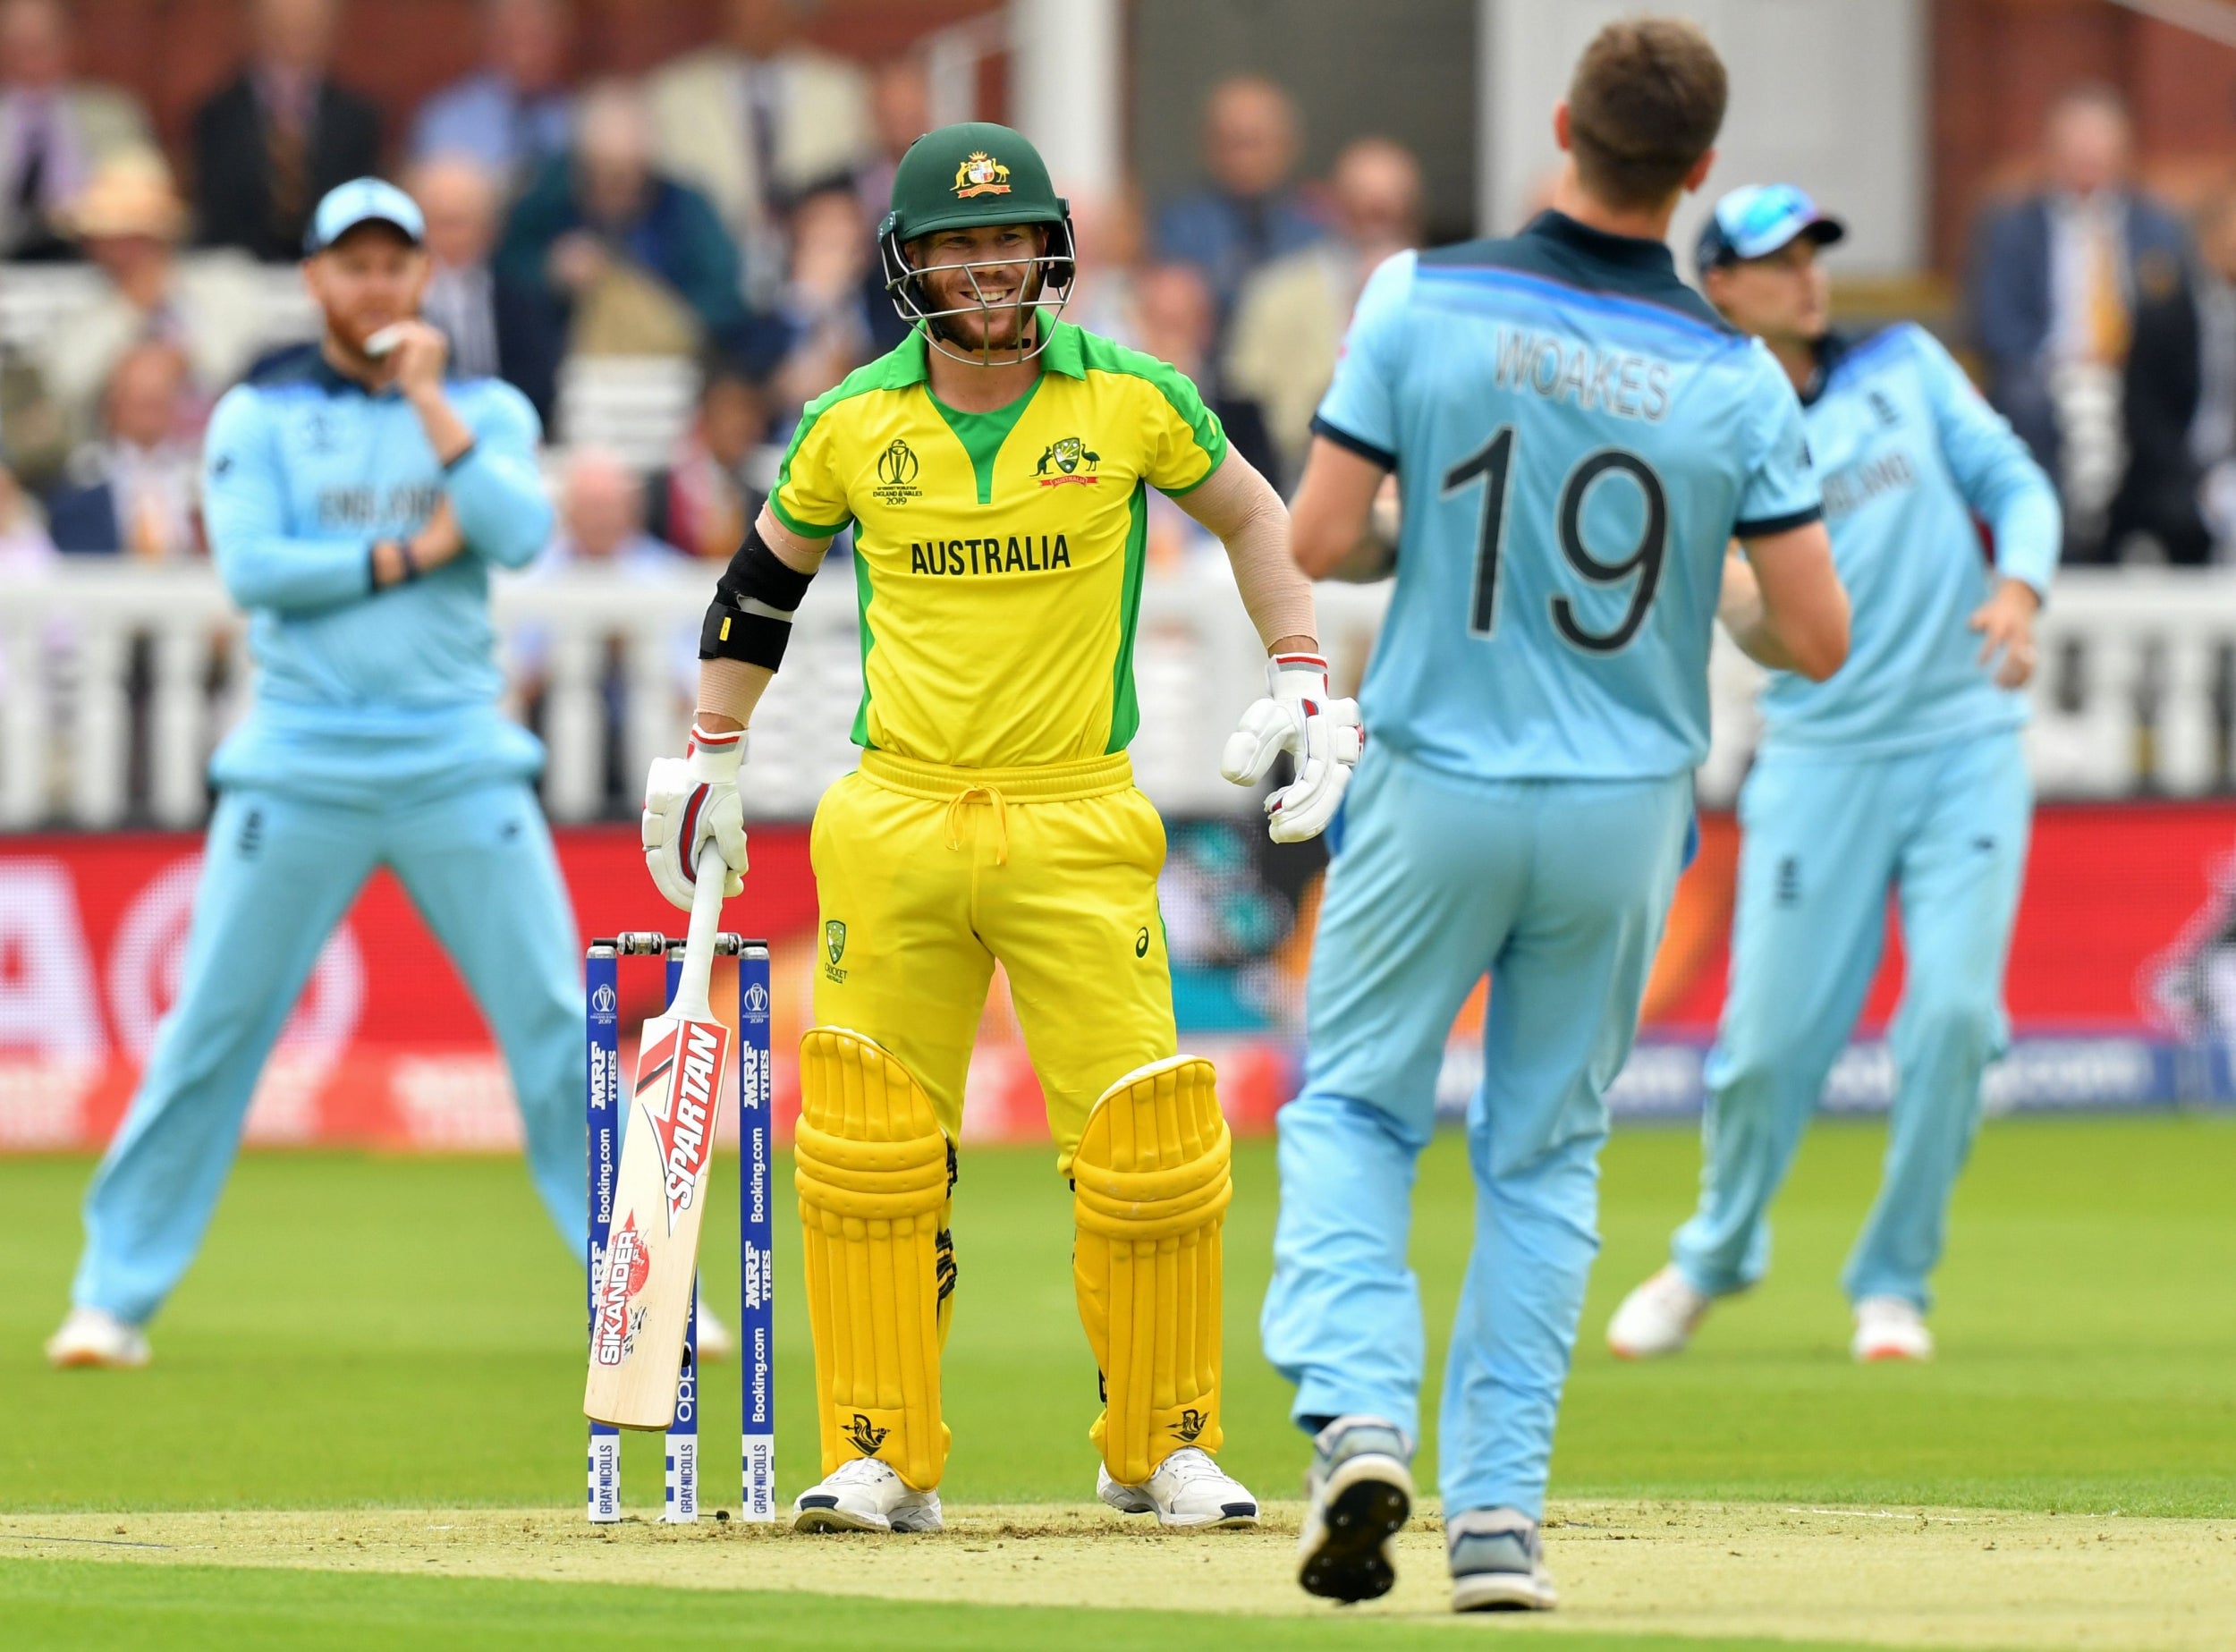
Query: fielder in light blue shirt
x=1576, y=437
x=1903, y=777
x=356, y=500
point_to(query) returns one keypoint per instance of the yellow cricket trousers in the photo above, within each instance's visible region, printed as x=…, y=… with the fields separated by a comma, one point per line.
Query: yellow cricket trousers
x=927, y=874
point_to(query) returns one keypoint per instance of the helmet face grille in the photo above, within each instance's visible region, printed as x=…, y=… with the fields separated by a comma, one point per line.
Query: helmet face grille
x=1056, y=269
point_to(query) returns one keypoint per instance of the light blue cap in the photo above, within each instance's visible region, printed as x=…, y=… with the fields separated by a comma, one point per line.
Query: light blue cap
x=362, y=201
x=1755, y=221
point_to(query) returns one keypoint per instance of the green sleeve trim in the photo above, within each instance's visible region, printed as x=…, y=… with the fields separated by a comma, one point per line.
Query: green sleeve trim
x=806, y=530
x=1185, y=488
x=983, y=434
x=1125, y=704
x=1101, y=355
x=860, y=733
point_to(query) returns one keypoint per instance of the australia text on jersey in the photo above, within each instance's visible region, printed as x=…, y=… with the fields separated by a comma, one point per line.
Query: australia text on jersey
x=1625, y=384
x=1017, y=553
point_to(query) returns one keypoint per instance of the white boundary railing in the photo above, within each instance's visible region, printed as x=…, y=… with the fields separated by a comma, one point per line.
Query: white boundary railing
x=2132, y=697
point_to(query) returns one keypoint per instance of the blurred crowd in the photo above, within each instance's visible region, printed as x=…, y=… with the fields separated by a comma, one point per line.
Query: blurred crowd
x=2104, y=323
x=718, y=213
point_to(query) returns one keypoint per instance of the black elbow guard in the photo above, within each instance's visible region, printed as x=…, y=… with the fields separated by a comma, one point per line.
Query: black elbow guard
x=750, y=617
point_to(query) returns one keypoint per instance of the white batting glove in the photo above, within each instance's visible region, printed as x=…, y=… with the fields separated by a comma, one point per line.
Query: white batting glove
x=689, y=800
x=1321, y=734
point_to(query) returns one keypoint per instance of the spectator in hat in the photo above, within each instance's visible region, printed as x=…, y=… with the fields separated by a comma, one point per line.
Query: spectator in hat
x=756, y=120
x=633, y=262
x=279, y=135
x=1246, y=214
x=1290, y=323
x=129, y=220
x=55, y=131
x=136, y=489
x=497, y=327
x=513, y=114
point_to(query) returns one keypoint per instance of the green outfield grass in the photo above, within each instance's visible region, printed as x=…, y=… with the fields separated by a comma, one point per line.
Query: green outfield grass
x=368, y=1330
x=85, y=1605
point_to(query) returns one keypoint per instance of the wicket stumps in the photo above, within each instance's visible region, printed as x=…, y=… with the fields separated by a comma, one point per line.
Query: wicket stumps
x=755, y=1323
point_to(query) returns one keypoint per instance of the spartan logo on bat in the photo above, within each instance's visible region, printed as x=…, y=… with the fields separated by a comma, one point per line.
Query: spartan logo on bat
x=1073, y=462
x=676, y=1090
x=865, y=1435
x=628, y=1265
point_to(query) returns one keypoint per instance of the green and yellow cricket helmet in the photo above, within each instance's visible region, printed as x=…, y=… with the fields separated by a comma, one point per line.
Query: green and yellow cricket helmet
x=970, y=173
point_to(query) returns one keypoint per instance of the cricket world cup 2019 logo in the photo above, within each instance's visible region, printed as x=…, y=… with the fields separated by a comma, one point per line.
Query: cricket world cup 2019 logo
x=1073, y=462
x=833, y=949
x=628, y=1265
x=980, y=175
x=896, y=474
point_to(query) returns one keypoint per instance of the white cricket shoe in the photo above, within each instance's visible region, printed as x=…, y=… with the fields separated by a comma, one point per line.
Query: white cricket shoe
x=94, y=1337
x=1497, y=1562
x=1359, y=1495
x=1188, y=1488
x=1889, y=1328
x=866, y=1495
x=717, y=1346
x=1657, y=1318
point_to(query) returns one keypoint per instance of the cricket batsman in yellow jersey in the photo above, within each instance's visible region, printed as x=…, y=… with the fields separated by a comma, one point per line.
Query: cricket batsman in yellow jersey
x=995, y=468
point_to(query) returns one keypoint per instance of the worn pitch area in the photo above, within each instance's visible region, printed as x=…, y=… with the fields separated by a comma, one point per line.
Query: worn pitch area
x=1906, y=1577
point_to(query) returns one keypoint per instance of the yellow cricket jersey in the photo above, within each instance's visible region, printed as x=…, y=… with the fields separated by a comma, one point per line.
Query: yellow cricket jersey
x=997, y=556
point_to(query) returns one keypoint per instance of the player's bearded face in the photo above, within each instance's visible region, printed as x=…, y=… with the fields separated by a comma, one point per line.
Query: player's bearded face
x=368, y=280
x=986, y=274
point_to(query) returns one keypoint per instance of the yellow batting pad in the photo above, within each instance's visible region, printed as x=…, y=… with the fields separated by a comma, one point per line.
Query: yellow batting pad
x=874, y=1172
x=1151, y=1187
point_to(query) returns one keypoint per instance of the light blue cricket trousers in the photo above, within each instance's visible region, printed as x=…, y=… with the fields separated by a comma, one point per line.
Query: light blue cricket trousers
x=1945, y=829
x=1558, y=890
x=278, y=874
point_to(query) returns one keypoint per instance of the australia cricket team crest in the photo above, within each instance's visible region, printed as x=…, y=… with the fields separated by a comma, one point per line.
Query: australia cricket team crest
x=1073, y=460
x=980, y=175
x=833, y=949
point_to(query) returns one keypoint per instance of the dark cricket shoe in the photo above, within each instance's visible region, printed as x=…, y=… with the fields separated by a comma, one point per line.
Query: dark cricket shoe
x=1497, y=1562
x=1359, y=1492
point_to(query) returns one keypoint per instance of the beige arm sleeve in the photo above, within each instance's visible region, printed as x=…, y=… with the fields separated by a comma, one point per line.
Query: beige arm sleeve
x=728, y=689
x=1240, y=506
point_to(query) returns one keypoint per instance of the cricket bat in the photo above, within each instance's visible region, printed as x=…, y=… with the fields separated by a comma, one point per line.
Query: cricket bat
x=643, y=1297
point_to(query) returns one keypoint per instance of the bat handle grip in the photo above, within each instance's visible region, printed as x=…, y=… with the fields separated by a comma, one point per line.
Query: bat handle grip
x=692, y=987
